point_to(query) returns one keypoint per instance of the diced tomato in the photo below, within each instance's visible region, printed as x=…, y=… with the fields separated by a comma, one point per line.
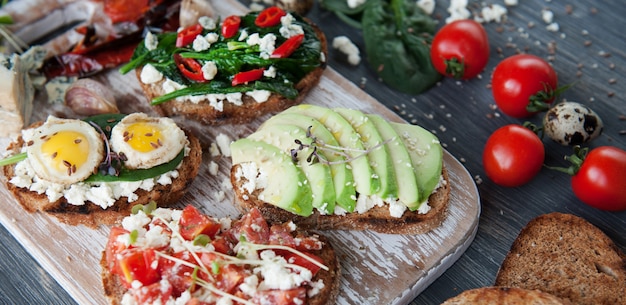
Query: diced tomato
x=301, y=261
x=280, y=234
x=288, y=47
x=282, y=297
x=188, y=35
x=139, y=265
x=221, y=245
x=190, y=68
x=153, y=294
x=230, y=26
x=230, y=277
x=253, y=227
x=196, y=301
x=308, y=243
x=179, y=275
x=247, y=76
x=125, y=10
x=114, y=246
x=269, y=17
x=193, y=223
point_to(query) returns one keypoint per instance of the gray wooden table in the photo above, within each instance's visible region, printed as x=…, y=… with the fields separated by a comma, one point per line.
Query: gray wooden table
x=589, y=50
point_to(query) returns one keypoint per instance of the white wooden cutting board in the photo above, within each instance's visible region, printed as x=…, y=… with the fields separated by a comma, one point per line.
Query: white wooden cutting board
x=376, y=268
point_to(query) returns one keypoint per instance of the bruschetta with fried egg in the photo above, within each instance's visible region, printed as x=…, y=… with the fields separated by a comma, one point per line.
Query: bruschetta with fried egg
x=93, y=171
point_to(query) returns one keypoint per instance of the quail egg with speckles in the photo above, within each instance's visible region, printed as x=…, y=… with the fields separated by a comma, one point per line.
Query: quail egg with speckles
x=147, y=141
x=64, y=151
x=570, y=123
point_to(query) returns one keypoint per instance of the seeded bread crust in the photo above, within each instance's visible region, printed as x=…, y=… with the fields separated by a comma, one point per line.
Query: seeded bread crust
x=114, y=290
x=504, y=296
x=376, y=219
x=566, y=256
x=233, y=114
x=92, y=215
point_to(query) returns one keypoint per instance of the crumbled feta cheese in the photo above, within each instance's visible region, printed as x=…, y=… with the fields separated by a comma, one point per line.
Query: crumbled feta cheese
x=200, y=44
x=547, y=16
x=494, y=12
x=207, y=23
x=288, y=28
x=458, y=10
x=260, y=96
x=355, y=3
x=150, y=75
x=345, y=45
x=511, y=2
x=553, y=27
x=151, y=41
x=223, y=142
x=428, y=6
x=213, y=168
x=209, y=70
x=270, y=72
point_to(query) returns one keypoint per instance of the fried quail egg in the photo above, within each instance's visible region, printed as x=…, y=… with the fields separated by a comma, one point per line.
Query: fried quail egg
x=571, y=123
x=146, y=142
x=64, y=151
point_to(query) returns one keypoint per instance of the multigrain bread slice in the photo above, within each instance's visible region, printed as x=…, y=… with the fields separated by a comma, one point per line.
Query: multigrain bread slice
x=114, y=289
x=377, y=219
x=91, y=215
x=505, y=296
x=204, y=113
x=566, y=256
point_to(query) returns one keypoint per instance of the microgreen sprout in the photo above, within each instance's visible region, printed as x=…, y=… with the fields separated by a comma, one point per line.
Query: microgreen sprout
x=318, y=146
x=147, y=209
x=112, y=163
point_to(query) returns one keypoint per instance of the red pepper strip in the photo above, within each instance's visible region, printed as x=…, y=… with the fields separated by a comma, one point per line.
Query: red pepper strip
x=83, y=65
x=247, y=76
x=288, y=47
x=190, y=68
x=269, y=17
x=188, y=35
x=230, y=26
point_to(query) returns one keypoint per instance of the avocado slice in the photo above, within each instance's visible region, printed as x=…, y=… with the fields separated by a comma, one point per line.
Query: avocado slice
x=365, y=179
x=345, y=193
x=289, y=188
x=379, y=157
x=426, y=155
x=408, y=192
x=318, y=174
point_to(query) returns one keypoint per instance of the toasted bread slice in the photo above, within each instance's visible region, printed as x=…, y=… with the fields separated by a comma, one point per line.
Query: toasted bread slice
x=204, y=113
x=566, y=256
x=377, y=219
x=327, y=295
x=92, y=215
x=504, y=296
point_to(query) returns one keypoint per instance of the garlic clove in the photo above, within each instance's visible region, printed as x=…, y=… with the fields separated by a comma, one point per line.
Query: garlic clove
x=90, y=97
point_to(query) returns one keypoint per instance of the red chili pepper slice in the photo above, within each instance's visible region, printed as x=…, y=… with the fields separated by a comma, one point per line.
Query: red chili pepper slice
x=188, y=35
x=247, y=76
x=230, y=26
x=269, y=17
x=288, y=47
x=190, y=68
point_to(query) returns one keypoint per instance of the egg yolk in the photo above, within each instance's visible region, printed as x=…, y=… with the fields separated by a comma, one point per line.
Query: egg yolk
x=143, y=137
x=68, y=150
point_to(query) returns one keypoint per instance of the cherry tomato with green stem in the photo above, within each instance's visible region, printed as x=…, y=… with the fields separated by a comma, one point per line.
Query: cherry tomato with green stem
x=460, y=49
x=598, y=176
x=513, y=155
x=523, y=85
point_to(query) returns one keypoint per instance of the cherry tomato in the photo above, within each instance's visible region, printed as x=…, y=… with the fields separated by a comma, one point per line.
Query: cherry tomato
x=138, y=265
x=188, y=35
x=247, y=76
x=523, y=85
x=288, y=47
x=114, y=246
x=601, y=179
x=269, y=17
x=460, y=49
x=513, y=155
x=190, y=68
x=230, y=26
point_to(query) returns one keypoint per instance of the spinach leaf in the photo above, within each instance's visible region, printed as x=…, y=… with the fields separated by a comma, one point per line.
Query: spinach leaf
x=350, y=15
x=397, y=38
